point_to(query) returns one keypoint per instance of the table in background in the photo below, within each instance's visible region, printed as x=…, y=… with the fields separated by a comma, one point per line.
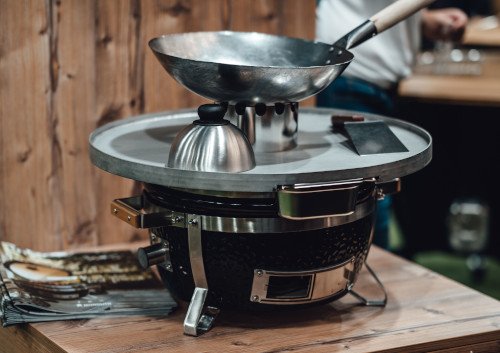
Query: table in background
x=481, y=90
x=426, y=312
x=484, y=32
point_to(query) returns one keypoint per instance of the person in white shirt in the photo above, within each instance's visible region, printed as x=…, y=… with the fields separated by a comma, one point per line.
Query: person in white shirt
x=387, y=58
x=370, y=81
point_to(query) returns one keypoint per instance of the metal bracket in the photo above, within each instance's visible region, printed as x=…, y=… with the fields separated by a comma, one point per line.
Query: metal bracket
x=156, y=239
x=388, y=188
x=196, y=251
x=371, y=302
x=131, y=210
x=357, y=36
x=199, y=317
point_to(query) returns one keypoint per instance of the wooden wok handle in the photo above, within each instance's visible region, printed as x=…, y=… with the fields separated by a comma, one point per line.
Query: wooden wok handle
x=397, y=12
x=384, y=19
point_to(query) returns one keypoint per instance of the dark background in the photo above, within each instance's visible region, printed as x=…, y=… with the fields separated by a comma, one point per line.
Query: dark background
x=466, y=142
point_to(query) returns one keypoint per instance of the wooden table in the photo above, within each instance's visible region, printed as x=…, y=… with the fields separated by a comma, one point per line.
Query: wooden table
x=471, y=90
x=483, y=90
x=483, y=32
x=426, y=312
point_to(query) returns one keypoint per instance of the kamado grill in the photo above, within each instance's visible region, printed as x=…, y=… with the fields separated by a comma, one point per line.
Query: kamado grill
x=246, y=210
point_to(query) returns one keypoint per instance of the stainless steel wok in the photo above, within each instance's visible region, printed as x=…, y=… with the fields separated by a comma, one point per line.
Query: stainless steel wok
x=253, y=67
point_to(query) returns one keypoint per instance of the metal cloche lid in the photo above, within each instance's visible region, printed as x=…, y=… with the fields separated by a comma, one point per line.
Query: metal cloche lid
x=211, y=144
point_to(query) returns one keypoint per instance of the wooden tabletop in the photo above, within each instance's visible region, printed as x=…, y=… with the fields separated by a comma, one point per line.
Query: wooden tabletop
x=483, y=31
x=483, y=89
x=426, y=312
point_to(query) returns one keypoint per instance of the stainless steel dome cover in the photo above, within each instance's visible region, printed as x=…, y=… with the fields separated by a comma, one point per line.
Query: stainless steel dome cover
x=137, y=148
x=211, y=144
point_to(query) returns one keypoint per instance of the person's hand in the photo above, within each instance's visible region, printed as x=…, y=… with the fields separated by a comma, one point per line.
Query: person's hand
x=444, y=24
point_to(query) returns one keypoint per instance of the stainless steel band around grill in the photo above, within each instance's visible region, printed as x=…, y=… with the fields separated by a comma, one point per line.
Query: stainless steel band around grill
x=137, y=218
x=316, y=207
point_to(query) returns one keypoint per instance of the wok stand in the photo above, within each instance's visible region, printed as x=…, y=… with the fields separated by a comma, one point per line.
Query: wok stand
x=268, y=128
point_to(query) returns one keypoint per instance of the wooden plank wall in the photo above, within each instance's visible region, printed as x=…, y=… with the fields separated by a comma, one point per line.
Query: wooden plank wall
x=69, y=66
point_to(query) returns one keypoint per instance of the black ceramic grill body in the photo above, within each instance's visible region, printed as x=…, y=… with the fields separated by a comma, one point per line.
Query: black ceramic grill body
x=230, y=259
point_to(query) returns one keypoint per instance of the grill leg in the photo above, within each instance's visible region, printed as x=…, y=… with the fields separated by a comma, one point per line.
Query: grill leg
x=372, y=302
x=199, y=318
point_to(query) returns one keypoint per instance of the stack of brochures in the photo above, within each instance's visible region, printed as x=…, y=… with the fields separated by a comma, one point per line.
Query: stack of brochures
x=37, y=286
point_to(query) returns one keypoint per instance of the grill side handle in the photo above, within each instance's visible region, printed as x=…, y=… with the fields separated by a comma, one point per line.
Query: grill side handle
x=132, y=211
x=318, y=200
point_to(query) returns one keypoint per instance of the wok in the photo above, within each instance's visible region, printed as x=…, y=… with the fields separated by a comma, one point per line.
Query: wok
x=254, y=67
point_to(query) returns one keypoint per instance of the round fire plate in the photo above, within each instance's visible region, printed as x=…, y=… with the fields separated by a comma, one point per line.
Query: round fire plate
x=137, y=148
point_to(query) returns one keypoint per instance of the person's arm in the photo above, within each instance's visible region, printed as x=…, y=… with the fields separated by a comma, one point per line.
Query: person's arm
x=444, y=24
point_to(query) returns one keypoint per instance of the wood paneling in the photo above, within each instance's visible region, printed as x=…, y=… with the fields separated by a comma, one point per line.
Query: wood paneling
x=30, y=210
x=73, y=108
x=119, y=93
x=67, y=67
